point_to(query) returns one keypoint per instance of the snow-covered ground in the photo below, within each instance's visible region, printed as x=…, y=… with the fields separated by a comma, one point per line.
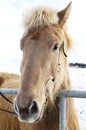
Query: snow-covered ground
x=78, y=78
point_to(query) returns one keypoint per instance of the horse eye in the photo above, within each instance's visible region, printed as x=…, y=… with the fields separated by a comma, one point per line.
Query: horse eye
x=21, y=48
x=55, y=47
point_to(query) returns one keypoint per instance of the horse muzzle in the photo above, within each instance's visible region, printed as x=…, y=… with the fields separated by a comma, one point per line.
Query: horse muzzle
x=27, y=112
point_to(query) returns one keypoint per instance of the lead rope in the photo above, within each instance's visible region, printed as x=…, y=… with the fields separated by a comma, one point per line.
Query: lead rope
x=4, y=97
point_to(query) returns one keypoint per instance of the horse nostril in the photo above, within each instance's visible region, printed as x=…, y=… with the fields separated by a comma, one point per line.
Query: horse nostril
x=26, y=109
x=33, y=109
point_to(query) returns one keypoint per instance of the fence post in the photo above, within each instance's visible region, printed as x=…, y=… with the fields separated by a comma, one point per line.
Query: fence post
x=62, y=113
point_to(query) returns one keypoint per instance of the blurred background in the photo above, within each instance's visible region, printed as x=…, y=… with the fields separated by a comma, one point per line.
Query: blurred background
x=11, y=12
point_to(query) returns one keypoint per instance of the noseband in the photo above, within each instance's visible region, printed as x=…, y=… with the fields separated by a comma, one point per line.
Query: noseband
x=58, y=65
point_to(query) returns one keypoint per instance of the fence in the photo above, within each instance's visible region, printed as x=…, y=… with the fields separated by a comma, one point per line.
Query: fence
x=62, y=94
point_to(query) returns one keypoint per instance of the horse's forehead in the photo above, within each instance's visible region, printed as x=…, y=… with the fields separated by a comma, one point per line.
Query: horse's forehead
x=45, y=34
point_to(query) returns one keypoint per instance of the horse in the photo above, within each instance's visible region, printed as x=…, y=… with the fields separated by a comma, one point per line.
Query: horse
x=44, y=71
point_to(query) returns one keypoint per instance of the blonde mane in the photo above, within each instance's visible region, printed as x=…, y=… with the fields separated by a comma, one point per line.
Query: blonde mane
x=40, y=17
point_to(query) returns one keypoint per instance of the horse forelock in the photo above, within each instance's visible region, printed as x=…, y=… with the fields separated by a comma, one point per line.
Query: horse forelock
x=40, y=17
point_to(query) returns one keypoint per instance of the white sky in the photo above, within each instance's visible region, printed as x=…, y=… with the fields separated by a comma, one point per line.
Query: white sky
x=10, y=27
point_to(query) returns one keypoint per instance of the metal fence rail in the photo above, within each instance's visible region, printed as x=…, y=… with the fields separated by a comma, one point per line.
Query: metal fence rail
x=63, y=94
x=8, y=91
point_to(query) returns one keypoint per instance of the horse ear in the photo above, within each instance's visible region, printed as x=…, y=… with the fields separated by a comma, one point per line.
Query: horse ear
x=63, y=14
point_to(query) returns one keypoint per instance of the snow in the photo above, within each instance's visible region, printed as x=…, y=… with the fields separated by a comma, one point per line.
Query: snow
x=78, y=78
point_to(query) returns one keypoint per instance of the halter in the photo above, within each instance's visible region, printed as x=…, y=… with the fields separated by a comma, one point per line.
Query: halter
x=63, y=49
x=58, y=64
x=52, y=79
x=63, y=53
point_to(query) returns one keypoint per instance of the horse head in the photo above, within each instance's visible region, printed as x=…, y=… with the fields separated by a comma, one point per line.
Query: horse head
x=43, y=67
